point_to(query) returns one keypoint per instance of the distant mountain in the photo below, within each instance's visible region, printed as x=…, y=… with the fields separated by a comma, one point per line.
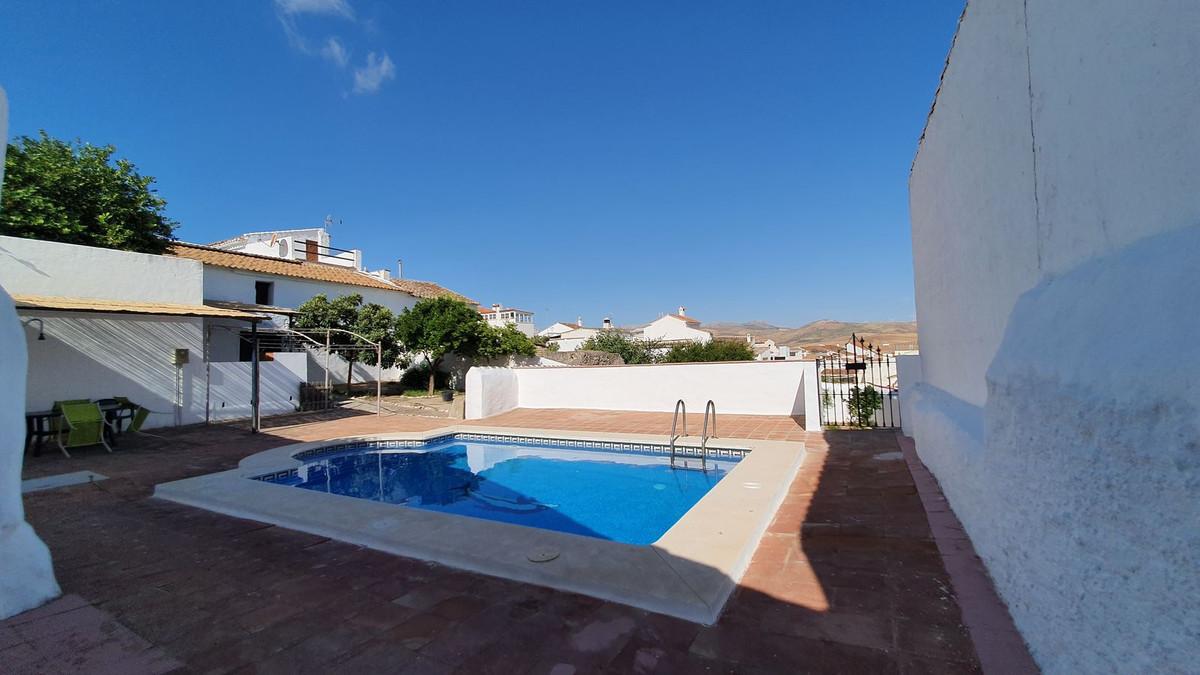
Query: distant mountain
x=889, y=335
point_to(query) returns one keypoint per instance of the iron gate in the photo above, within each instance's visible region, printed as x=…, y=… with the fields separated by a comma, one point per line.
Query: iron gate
x=858, y=387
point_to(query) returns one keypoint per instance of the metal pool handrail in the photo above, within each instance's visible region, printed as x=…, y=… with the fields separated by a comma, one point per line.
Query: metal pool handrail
x=675, y=420
x=704, y=435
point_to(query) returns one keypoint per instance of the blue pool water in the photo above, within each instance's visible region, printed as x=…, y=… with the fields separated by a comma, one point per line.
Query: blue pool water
x=625, y=497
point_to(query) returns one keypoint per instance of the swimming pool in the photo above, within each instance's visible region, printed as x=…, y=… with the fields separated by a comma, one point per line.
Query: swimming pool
x=595, y=513
x=626, y=496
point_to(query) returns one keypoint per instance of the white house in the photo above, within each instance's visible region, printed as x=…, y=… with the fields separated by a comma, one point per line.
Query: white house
x=676, y=328
x=172, y=332
x=573, y=339
x=278, y=285
x=499, y=316
x=559, y=327
x=1055, y=222
x=768, y=350
x=102, y=323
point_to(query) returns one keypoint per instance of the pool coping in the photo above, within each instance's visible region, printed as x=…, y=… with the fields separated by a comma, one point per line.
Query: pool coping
x=688, y=573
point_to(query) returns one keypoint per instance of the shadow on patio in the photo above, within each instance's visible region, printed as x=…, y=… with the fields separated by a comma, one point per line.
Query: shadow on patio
x=847, y=579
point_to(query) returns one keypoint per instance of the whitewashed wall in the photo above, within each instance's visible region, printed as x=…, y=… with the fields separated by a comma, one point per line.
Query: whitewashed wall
x=28, y=577
x=33, y=267
x=1055, y=224
x=99, y=356
x=490, y=391
x=667, y=328
x=229, y=388
x=238, y=286
x=744, y=387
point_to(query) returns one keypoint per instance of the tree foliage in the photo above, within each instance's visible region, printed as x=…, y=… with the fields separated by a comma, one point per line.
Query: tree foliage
x=76, y=193
x=348, y=313
x=631, y=349
x=496, y=343
x=715, y=350
x=863, y=402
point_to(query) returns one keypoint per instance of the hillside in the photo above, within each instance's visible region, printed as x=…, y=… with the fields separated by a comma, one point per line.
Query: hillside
x=890, y=335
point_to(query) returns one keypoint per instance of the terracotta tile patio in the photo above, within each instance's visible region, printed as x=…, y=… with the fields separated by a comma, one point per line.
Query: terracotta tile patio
x=847, y=579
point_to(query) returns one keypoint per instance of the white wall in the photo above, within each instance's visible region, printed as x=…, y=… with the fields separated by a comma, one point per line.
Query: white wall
x=669, y=328
x=744, y=387
x=490, y=391
x=33, y=267
x=99, y=356
x=1055, y=230
x=279, y=388
x=28, y=577
x=908, y=372
x=238, y=286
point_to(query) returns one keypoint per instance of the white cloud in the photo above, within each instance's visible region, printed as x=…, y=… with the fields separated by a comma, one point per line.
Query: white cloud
x=371, y=76
x=337, y=7
x=336, y=52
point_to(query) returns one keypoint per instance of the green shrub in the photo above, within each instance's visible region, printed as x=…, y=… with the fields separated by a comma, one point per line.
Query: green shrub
x=863, y=403
x=716, y=350
x=631, y=349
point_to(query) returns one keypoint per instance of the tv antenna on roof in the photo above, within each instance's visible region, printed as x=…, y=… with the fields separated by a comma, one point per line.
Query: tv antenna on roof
x=328, y=220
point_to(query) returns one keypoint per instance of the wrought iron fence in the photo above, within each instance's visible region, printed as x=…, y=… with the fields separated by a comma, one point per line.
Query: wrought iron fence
x=857, y=386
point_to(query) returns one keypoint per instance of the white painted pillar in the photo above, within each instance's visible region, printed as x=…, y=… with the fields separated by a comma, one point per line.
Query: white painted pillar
x=812, y=397
x=26, y=576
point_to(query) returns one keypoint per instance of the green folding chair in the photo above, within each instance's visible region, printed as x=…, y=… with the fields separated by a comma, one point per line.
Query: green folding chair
x=82, y=424
x=56, y=423
x=140, y=413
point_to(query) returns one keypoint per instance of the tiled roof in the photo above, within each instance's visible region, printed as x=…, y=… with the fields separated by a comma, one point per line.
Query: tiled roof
x=302, y=269
x=686, y=319
x=107, y=306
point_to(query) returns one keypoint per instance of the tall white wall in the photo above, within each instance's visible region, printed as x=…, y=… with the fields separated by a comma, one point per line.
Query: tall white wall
x=1055, y=232
x=278, y=392
x=27, y=579
x=99, y=356
x=744, y=387
x=238, y=286
x=34, y=267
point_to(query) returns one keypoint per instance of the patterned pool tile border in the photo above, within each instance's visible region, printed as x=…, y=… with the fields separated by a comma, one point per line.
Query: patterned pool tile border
x=660, y=449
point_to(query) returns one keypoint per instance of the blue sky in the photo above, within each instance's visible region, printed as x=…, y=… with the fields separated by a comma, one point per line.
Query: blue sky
x=746, y=159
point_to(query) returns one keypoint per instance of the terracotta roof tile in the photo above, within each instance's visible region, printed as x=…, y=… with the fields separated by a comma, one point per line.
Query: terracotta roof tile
x=301, y=269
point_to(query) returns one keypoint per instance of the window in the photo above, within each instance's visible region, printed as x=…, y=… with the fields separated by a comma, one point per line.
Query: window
x=263, y=292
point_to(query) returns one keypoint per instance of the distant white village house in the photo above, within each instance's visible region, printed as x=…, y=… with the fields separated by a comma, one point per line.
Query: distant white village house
x=676, y=328
x=568, y=337
x=499, y=316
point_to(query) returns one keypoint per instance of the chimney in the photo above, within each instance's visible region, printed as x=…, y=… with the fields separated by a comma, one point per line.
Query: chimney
x=682, y=310
x=399, y=268
x=607, y=323
x=495, y=307
x=579, y=321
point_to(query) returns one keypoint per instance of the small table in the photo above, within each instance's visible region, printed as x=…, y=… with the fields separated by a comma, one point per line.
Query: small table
x=38, y=427
x=115, y=412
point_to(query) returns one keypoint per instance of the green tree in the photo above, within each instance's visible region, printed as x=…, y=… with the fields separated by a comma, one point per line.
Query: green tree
x=495, y=343
x=436, y=327
x=714, y=350
x=76, y=193
x=863, y=403
x=348, y=313
x=631, y=349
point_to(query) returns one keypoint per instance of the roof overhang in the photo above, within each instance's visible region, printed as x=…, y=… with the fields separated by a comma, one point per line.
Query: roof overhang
x=250, y=307
x=104, y=306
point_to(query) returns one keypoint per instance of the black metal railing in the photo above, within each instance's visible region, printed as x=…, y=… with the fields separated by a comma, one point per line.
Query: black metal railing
x=857, y=387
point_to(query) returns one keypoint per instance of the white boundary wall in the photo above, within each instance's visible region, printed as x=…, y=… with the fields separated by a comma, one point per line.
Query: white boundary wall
x=738, y=388
x=26, y=575
x=1056, y=231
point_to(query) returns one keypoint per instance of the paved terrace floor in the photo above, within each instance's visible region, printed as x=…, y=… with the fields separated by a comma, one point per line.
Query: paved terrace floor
x=847, y=579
